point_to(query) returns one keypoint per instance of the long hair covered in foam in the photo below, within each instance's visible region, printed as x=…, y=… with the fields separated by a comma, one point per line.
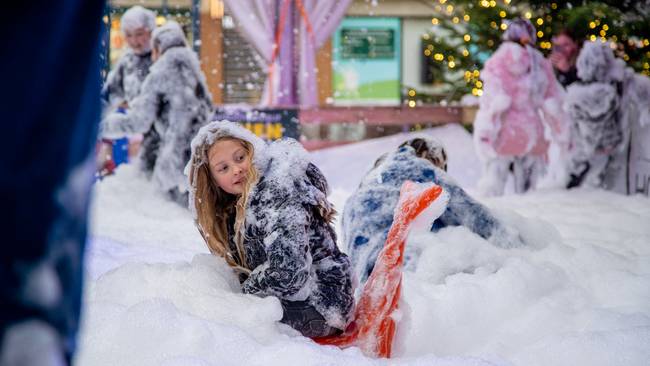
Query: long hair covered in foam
x=211, y=206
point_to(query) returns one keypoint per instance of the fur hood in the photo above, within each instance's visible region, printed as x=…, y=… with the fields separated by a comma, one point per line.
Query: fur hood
x=283, y=164
x=206, y=136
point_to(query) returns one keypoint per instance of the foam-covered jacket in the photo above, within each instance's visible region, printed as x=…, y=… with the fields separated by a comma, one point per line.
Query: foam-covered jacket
x=174, y=102
x=520, y=96
x=603, y=105
x=124, y=81
x=289, y=242
x=368, y=213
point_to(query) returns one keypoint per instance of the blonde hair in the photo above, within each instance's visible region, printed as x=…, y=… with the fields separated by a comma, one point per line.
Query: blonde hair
x=214, y=206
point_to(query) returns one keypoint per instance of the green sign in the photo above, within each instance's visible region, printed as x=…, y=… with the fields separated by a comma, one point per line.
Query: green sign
x=366, y=61
x=367, y=43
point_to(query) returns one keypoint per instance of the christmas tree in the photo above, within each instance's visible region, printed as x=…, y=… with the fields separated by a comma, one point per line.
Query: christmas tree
x=465, y=33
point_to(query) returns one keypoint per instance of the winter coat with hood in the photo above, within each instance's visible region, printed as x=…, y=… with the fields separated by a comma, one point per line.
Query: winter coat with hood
x=124, y=81
x=520, y=96
x=603, y=105
x=290, y=244
x=368, y=213
x=173, y=104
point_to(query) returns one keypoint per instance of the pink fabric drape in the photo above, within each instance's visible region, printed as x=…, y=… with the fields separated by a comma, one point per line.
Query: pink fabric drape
x=257, y=20
x=324, y=17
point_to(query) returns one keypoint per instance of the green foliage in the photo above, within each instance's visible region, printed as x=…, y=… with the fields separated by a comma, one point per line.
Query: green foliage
x=454, y=61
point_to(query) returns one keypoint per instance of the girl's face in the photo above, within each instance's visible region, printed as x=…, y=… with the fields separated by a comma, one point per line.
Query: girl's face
x=229, y=162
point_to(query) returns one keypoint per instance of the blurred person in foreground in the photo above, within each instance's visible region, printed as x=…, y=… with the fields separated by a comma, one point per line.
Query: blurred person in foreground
x=50, y=96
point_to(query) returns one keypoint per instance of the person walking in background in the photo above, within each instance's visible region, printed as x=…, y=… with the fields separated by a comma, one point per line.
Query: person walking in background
x=50, y=97
x=174, y=102
x=124, y=81
x=564, y=53
x=521, y=96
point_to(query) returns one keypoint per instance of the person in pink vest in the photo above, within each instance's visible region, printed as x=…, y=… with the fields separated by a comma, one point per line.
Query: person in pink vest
x=521, y=101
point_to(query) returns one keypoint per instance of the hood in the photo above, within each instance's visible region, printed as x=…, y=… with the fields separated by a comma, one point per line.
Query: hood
x=138, y=17
x=167, y=36
x=596, y=62
x=519, y=29
x=207, y=135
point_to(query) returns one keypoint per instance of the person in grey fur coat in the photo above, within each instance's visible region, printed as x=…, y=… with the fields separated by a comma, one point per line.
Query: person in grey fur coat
x=264, y=209
x=173, y=104
x=124, y=81
x=603, y=105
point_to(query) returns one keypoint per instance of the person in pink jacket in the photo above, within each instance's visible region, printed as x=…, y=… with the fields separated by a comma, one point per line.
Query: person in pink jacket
x=521, y=101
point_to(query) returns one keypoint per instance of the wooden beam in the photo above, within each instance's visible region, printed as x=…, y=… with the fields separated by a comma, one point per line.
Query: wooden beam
x=212, y=55
x=435, y=115
x=324, y=67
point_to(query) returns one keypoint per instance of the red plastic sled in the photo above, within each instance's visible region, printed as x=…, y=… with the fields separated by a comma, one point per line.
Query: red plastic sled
x=373, y=328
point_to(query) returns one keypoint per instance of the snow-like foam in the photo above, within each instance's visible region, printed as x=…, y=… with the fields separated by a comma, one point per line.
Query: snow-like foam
x=578, y=295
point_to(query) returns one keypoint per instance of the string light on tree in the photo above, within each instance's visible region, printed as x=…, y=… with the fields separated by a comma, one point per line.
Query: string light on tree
x=478, y=25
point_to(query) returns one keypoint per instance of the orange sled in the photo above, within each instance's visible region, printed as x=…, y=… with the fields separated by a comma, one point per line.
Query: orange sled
x=373, y=328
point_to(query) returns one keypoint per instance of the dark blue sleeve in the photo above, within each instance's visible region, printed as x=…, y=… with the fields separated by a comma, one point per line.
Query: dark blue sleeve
x=49, y=97
x=463, y=210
